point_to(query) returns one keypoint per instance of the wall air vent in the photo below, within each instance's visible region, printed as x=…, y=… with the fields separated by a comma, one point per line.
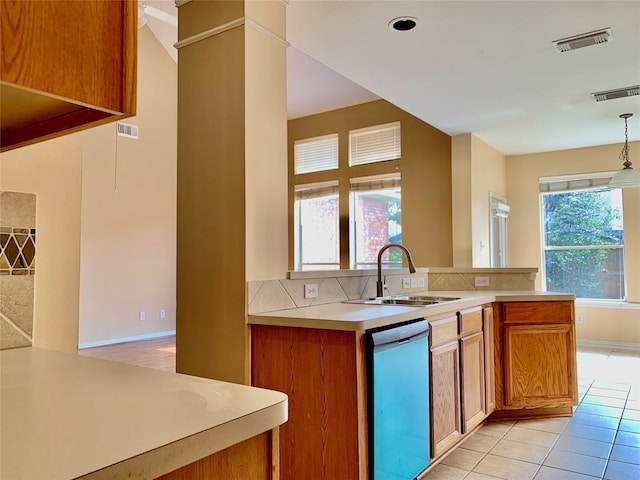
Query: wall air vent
x=127, y=130
x=583, y=40
x=618, y=93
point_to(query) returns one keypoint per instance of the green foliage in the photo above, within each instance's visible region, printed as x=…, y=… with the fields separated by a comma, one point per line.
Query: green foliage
x=585, y=220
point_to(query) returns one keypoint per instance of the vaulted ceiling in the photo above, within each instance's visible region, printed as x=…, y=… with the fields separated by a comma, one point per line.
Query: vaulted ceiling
x=482, y=67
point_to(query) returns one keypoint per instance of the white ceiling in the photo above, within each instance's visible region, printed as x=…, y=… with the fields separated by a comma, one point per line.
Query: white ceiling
x=482, y=67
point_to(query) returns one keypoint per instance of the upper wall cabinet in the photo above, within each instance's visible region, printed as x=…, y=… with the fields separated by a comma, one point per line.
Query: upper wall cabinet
x=65, y=66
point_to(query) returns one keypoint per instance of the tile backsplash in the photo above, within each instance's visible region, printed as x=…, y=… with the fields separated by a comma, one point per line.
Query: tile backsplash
x=17, y=268
x=271, y=295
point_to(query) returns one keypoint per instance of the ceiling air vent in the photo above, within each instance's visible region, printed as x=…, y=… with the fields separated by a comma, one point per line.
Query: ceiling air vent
x=583, y=40
x=618, y=93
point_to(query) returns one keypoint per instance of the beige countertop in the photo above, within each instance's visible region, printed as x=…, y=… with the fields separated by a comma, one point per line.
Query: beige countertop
x=354, y=317
x=65, y=416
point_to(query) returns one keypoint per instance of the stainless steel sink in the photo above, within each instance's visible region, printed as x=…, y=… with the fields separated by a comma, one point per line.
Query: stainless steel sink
x=406, y=300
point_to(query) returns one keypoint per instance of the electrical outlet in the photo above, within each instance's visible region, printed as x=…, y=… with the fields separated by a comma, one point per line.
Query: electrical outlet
x=420, y=282
x=311, y=290
x=142, y=315
x=414, y=282
x=163, y=313
x=579, y=318
x=481, y=281
x=406, y=282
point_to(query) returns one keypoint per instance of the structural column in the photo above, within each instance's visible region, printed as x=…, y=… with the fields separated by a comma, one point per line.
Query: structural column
x=232, y=176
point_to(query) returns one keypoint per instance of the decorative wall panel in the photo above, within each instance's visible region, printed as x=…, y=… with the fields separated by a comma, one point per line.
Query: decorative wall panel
x=17, y=268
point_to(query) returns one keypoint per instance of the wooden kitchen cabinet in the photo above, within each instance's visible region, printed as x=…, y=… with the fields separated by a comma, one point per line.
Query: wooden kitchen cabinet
x=489, y=361
x=536, y=344
x=65, y=66
x=255, y=458
x=472, y=368
x=446, y=429
x=323, y=372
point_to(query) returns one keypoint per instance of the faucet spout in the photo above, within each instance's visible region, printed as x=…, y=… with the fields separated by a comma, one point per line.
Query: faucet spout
x=412, y=267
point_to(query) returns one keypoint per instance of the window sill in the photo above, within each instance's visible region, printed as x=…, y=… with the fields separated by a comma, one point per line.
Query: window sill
x=612, y=304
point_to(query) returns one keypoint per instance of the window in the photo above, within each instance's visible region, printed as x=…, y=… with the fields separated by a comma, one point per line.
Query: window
x=583, y=237
x=316, y=154
x=316, y=239
x=499, y=215
x=375, y=219
x=372, y=210
x=374, y=144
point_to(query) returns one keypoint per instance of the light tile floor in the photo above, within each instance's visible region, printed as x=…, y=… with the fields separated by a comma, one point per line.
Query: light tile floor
x=600, y=441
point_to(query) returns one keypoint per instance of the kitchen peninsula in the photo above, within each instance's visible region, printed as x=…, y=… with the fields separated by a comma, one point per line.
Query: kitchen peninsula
x=65, y=416
x=484, y=347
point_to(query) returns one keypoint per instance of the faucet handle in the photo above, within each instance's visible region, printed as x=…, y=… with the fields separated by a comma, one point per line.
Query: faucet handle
x=385, y=287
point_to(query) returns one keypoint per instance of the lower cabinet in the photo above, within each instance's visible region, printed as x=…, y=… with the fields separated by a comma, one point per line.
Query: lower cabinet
x=459, y=378
x=489, y=359
x=445, y=397
x=324, y=374
x=537, y=373
x=255, y=458
x=507, y=360
x=472, y=369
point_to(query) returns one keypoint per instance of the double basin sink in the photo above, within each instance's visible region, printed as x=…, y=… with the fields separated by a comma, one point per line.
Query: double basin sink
x=403, y=300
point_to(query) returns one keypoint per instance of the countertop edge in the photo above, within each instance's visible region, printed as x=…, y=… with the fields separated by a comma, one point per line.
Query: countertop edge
x=330, y=317
x=190, y=449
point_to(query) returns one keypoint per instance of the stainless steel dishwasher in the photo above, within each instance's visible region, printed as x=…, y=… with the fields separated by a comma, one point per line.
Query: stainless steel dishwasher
x=398, y=401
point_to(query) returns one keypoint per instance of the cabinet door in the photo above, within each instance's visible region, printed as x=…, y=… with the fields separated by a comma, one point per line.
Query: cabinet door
x=445, y=398
x=539, y=365
x=489, y=367
x=473, y=377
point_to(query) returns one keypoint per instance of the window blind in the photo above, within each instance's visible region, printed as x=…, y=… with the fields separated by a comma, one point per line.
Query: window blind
x=316, y=154
x=374, y=144
x=374, y=183
x=567, y=183
x=316, y=190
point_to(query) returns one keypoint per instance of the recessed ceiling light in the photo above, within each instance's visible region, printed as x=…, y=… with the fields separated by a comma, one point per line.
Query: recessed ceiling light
x=403, y=24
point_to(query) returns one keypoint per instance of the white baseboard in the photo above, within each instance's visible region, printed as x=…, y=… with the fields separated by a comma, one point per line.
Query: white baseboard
x=147, y=336
x=609, y=345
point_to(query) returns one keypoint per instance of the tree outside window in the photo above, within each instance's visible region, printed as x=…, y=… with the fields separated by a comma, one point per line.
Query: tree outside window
x=583, y=240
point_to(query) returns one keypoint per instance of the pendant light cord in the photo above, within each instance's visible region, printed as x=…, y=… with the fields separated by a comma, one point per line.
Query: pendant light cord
x=624, y=155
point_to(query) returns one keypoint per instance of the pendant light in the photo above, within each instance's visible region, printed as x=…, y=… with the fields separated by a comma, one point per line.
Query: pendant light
x=628, y=176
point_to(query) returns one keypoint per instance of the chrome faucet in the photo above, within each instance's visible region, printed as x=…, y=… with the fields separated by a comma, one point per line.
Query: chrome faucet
x=412, y=267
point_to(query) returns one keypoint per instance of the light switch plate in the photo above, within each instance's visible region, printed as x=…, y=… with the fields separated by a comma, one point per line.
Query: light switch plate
x=420, y=282
x=406, y=282
x=414, y=282
x=481, y=281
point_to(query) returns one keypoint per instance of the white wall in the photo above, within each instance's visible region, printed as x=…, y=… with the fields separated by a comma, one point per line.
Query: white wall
x=52, y=170
x=616, y=324
x=477, y=169
x=128, y=240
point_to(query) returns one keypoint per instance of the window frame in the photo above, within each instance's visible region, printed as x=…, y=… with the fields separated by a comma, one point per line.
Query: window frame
x=579, y=183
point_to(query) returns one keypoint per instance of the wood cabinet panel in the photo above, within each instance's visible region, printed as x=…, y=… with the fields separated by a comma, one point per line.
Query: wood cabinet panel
x=443, y=330
x=253, y=458
x=445, y=398
x=538, y=312
x=539, y=365
x=489, y=361
x=470, y=321
x=322, y=371
x=473, y=379
x=65, y=65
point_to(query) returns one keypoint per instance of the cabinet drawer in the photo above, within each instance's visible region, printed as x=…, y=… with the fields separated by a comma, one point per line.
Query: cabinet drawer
x=537, y=312
x=443, y=330
x=470, y=320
